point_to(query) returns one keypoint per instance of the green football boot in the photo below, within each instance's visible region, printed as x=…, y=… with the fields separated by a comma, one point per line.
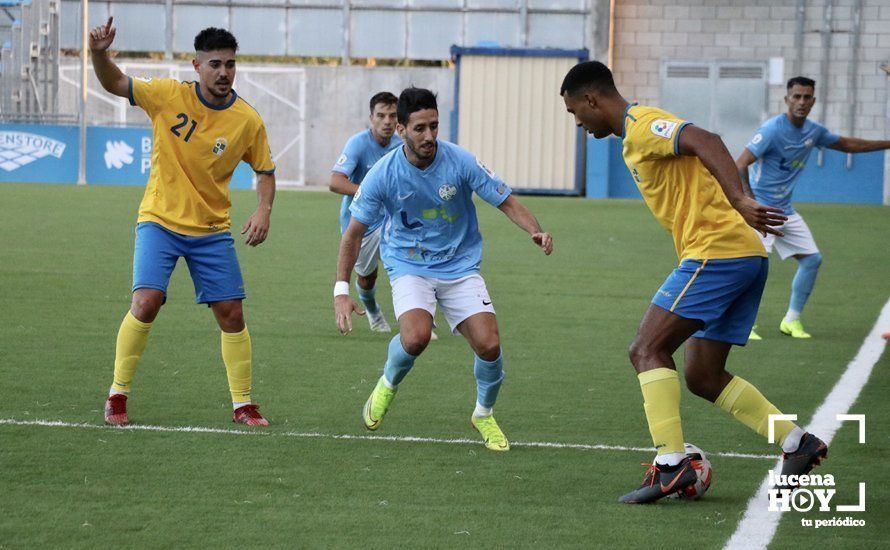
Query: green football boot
x=376, y=405
x=754, y=335
x=793, y=329
x=494, y=438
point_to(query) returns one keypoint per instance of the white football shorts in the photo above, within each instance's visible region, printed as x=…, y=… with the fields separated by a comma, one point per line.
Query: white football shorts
x=369, y=255
x=459, y=298
x=797, y=239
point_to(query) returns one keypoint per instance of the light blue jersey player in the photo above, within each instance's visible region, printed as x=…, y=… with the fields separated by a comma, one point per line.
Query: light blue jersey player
x=361, y=152
x=780, y=148
x=423, y=194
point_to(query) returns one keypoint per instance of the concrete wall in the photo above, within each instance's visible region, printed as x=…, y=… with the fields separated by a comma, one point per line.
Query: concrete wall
x=337, y=106
x=649, y=31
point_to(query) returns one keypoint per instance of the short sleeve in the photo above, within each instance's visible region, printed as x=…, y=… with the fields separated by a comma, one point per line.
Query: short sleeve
x=367, y=204
x=485, y=182
x=349, y=158
x=259, y=155
x=761, y=141
x=152, y=94
x=826, y=137
x=656, y=135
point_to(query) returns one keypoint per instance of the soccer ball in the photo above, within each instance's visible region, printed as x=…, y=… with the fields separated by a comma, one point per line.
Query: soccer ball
x=702, y=467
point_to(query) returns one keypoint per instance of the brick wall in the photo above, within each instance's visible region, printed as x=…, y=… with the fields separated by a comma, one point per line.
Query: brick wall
x=650, y=31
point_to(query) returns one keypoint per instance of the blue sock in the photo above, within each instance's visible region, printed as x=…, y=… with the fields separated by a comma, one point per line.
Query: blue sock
x=398, y=362
x=804, y=280
x=367, y=297
x=489, y=375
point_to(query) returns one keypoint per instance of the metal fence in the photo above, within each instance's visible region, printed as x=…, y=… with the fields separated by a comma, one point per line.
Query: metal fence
x=345, y=29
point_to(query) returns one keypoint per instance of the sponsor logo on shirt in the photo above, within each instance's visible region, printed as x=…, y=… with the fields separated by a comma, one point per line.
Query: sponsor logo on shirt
x=342, y=160
x=220, y=146
x=663, y=128
x=358, y=194
x=808, y=143
x=501, y=189
x=485, y=168
x=117, y=154
x=447, y=191
x=757, y=139
x=20, y=148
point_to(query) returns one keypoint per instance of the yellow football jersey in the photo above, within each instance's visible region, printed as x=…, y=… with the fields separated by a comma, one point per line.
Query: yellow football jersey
x=196, y=147
x=684, y=196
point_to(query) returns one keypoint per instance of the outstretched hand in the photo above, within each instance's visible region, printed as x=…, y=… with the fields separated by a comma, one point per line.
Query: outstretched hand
x=102, y=36
x=344, y=306
x=762, y=218
x=545, y=241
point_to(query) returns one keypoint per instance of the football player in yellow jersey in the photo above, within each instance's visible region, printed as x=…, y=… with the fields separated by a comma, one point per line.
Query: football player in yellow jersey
x=201, y=131
x=690, y=182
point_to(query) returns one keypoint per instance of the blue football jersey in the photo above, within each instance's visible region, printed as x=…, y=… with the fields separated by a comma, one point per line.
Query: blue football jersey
x=430, y=227
x=360, y=153
x=782, y=150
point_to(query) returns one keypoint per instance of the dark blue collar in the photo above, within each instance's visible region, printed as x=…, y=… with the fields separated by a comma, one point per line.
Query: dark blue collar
x=212, y=106
x=626, y=116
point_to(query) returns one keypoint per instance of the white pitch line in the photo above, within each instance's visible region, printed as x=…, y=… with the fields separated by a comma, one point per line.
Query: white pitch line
x=317, y=435
x=758, y=526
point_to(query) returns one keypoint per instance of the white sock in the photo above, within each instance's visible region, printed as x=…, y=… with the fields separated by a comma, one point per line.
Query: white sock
x=792, y=315
x=387, y=383
x=236, y=406
x=482, y=411
x=792, y=440
x=113, y=391
x=670, y=459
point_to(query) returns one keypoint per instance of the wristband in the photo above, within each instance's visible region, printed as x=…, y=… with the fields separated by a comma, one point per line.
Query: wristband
x=341, y=288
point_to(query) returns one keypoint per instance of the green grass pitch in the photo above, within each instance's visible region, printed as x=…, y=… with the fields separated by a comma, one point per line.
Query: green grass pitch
x=566, y=322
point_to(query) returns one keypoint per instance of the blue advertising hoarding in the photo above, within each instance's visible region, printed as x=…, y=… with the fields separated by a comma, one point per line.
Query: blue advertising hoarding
x=39, y=153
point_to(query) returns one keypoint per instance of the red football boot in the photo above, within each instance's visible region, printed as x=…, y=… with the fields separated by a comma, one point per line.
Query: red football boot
x=116, y=410
x=249, y=415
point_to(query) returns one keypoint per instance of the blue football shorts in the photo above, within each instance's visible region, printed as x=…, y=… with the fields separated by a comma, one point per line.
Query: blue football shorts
x=211, y=260
x=723, y=294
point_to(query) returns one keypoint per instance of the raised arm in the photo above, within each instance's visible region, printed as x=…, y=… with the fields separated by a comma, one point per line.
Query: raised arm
x=110, y=76
x=522, y=216
x=257, y=226
x=341, y=184
x=709, y=148
x=742, y=163
x=344, y=305
x=857, y=145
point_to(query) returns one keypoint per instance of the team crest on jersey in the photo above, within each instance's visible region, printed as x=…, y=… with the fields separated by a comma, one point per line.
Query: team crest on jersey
x=485, y=168
x=220, y=146
x=447, y=191
x=663, y=128
x=144, y=79
x=808, y=143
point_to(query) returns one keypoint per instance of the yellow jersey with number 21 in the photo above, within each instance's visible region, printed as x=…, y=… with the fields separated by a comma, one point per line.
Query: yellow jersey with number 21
x=682, y=194
x=196, y=147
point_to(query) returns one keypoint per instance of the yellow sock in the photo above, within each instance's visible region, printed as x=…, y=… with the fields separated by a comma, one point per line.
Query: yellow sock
x=236, y=354
x=750, y=407
x=131, y=339
x=661, y=400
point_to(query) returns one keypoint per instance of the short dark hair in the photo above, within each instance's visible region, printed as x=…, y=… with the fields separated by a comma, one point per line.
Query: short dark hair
x=211, y=39
x=412, y=100
x=801, y=81
x=588, y=75
x=383, y=97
